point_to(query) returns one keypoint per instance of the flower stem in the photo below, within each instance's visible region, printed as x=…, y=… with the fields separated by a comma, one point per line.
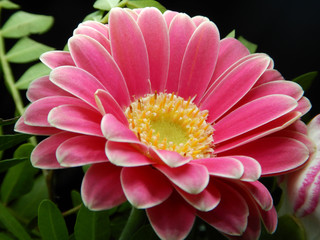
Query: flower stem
x=136, y=219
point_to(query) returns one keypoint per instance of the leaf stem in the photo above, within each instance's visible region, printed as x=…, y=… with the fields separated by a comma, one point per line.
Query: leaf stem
x=72, y=210
x=136, y=219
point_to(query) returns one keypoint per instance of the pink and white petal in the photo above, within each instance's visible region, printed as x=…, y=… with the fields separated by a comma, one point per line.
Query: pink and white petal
x=226, y=167
x=192, y=178
x=231, y=215
x=133, y=58
x=252, y=168
x=56, y=59
x=95, y=34
x=276, y=155
x=103, y=29
x=116, y=131
x=20, y=126
x=304, y=105
x=268, y=76
x=199, y=61
x=205, y=201
x=252, y=115
x=243, y=76
x=260, y=194
x=107, y=104
x=91, y=56
x=264, y=130
x=180, y=31
x=170, y=158
x=270, y=219
x=76, y=118
x=81, y=150
x=139, y=185
x=44, y=154
x=199, y=19
x=156, y=37
x=231, y=50
x=101, y=187
x=43, y=87
x=168, y=16
x=126, y=155
x=173, y=219
x=37, y=113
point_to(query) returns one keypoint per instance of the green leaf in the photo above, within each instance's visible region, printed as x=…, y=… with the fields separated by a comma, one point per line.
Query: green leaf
x=51, y=223
x=8, y=163
x=93, y=225
x=145, y=3
x=8, y=141
x=105, y=4
x=251, y=46
x=22, y=24
x=3, y=236
x=26, y=50
x=306, y=80
x=5, y=122
x=19, y=179
x=8, y=5
x=12, y=224
x=27, y=205
x=145, y=232
x=36, y=71
x=232, y=34
x=95, y=16
x=76, y=198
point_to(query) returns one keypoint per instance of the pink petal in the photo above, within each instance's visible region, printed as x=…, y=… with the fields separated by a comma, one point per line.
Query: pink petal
x=20, y=126
x=133, y=58
x=260, y=193
x=107, y=104
x=78, y=82
x=199, y=61
x=275, y=154
x=103, y=29
x=270, y=219
x=169, y=16
x=304, y=105
x=81, y=150
x=230, y=216
x=77, y=119
x=192, y=178
x=101, y=187
x=268, y=76
x=43, y=87
x=252, y=168
x=56, y=59
x=199, y=19
x=116, y=131
x=231, y=50
x=226, y=167
x=92, y=57
x=145, y=187
x=156, y=37
x=180, y=31
x=126, y=155
x=225, y=95
x=252, y=115
x=44, y=154
x=205, y=201
x=170, y=158
x=94, y=34
x=173, y=219
x=37, y=113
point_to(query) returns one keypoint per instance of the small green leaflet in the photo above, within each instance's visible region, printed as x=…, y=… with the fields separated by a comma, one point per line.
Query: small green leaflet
x=22, y=24
x=251, y=46
x=8, y=163
x=51, y=223
x=8, y=5
x=105, y=4
x=26, y=50
x=145, y=3
x=306, y=80
x=8, y=141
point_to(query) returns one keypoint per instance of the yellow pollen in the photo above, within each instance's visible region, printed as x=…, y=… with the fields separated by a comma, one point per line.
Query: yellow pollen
x=168, y=122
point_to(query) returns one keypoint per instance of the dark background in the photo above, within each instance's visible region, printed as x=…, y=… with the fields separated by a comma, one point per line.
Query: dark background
x=287, y=30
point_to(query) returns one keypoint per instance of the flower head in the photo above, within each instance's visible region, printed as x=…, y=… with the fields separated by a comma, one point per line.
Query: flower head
x=171, y=118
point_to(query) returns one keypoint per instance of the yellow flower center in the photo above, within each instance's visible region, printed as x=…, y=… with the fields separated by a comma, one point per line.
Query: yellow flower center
x=168, y=122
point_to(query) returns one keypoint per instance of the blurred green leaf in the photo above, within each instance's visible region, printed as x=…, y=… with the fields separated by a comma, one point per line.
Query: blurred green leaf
x=8, y=163
x=26, y=50
x=145, y=3
x=12, y=224
x=19, y=179
x=27, y=205
x=105, y=4
x=306, y=80
x=232, y=34
x=75, y=198
x=95, y=16
x=8, y=141
x=4, y=236
x=5, y=122
x=51, y=223
x=145, y=232
x=8, y=5
x=93, y=225
x=36, y=71
x=22, y=24
x=251, y=46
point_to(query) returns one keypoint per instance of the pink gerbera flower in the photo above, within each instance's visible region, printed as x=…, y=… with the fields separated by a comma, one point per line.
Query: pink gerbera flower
x=171, y=118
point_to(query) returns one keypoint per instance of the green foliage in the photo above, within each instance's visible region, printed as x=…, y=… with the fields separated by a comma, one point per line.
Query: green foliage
x=145, y=3
x=9, y=141
x=8, y=5
x=51, y=223
x=105, y=4
x=306, y=80
x=250, y=45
